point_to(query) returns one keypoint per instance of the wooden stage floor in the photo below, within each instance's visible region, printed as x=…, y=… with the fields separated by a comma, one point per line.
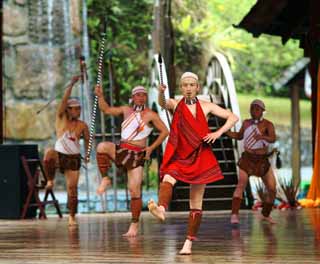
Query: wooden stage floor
x=294, y=239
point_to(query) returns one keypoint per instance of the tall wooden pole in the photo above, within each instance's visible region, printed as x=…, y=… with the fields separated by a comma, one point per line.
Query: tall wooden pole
x=1, y=75
x=163, y=38
x=169, y=47
x=295, y=129
x=314, y=53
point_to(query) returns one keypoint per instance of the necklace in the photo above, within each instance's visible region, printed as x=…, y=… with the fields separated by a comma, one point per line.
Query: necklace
x=191, y=101
x=257, y=121
x=138, y=108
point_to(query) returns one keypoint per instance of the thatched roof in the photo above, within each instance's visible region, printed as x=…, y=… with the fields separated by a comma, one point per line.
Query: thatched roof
x=285, y=18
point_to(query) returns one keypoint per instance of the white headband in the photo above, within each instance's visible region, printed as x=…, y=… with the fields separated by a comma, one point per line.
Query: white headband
x=138, y=89
x=189, y=75
x=72, y=102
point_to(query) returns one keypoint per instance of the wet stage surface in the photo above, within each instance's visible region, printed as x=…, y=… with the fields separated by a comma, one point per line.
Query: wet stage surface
x=294, y=239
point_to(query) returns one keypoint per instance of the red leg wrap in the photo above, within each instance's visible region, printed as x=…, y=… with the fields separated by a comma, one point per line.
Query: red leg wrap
x=50, y=168
x=194, y=223
x=73, y=201
x=136, y=207
x=104, y=163
x=266, y=209
x=165, y=194
x=236, y=203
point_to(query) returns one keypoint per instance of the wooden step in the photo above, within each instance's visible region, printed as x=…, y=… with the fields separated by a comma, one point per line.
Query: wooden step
x=216, y=149
x=225, y=155
x=211, y=192
x=230, y=179
x=216, y=204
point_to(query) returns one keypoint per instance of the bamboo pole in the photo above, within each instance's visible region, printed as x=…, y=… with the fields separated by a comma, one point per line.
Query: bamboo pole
x=295, y=129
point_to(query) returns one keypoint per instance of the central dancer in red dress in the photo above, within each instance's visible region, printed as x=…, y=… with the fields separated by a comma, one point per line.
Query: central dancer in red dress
x=188, y=156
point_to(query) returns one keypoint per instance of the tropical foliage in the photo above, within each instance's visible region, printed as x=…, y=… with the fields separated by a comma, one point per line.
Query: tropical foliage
x=207, y=26
x=200, y=28
x=128, y=33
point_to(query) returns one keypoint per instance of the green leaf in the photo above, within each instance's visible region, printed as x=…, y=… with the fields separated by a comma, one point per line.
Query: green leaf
x=185, y=24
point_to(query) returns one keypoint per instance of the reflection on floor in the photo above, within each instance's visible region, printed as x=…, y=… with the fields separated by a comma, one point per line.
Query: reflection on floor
x=294, y=239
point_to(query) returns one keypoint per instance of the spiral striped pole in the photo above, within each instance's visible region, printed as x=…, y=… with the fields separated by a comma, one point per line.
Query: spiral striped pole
x=160, y=68
x=95, y=103
x=161, y=82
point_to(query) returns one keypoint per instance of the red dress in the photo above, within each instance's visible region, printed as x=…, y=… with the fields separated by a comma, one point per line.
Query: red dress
x=187, y=157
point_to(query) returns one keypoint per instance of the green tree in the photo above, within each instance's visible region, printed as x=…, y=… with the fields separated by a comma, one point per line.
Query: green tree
x=200, y=28
x=203, y=27
x=127, y=41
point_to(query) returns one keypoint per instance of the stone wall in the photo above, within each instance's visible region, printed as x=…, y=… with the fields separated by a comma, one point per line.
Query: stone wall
x=40, y=39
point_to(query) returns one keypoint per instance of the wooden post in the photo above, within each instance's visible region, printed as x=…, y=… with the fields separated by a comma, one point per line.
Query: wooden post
x=157, y=29
x=1, y=76
x=295, y=129
x=313, y=47
x=163, y=38
x=168, y=46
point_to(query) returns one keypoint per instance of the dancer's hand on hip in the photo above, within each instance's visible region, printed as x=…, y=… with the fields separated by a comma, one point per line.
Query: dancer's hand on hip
x=211, y=137
x=148, y=151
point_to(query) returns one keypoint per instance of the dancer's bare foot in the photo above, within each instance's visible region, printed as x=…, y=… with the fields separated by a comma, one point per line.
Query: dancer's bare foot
x=267, y=219
x=72, y=221
x=133, y=230
x=105, y=182
x=49, y=185
x=157, y=211
x=234, y=219
x=186, y=249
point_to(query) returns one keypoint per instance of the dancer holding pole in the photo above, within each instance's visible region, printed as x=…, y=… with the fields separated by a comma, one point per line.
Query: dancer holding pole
x=188, y=156
x=66, y=153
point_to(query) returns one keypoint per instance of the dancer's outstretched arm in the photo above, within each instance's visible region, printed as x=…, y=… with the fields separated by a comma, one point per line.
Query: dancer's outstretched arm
x=104, y=106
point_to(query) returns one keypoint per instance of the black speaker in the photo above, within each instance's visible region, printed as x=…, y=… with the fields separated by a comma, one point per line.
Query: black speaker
x=13, y=180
